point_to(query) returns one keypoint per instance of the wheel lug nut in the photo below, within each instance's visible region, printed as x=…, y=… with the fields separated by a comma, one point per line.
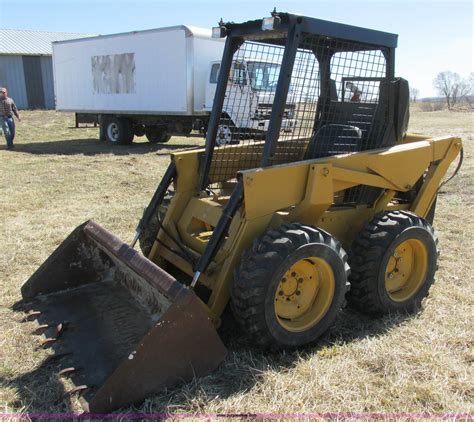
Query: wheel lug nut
x=283, y=280
x=280, y=292
x=300, y=280
x=298, y=293
x=293, y=274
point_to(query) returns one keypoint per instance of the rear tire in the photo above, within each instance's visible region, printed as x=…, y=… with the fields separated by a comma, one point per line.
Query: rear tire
x=156, y=135
x=118, y=131
x=290, y=286
x=139, y=130
x=393, y=261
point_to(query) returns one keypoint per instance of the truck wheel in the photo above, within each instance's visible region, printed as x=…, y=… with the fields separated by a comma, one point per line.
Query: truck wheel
x=184, y=128
x=102, y=128
x=139, y=130
x=227, y=133
x=156, y=135
x=393, y=261
x=224, y=135
x=188, y=129
x=290, y=286
x=118, y=130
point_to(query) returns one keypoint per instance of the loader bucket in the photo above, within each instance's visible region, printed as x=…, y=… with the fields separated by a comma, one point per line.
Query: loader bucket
x=121, y=327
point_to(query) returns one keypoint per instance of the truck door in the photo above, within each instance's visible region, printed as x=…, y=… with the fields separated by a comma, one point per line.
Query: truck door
x=211, y=84
x=239, y=99
x=238, y=102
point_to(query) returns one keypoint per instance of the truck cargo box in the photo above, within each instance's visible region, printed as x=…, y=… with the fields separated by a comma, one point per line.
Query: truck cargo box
x=158, y=71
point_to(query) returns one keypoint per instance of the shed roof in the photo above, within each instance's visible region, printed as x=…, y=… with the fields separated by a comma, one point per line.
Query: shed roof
x=26, y=42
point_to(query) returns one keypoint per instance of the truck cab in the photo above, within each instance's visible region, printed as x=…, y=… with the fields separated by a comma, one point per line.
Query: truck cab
x=252, y=85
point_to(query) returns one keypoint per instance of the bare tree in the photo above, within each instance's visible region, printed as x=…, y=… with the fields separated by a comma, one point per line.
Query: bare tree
x=414, y=92
x=453, y=87
x=470, y=89
x=463, y=89
x=445, y=84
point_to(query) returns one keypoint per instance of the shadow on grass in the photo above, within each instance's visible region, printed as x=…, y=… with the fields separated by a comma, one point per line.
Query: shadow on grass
x=240, y=371
x=93, y=146
x=39, y=391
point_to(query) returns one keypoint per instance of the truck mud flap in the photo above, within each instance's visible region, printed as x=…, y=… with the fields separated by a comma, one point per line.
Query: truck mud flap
x=120, y=326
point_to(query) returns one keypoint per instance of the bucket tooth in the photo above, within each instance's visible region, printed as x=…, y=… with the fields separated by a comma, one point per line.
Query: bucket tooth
x=132, y=328
x=48, y=342
x=66, y=372
x=40, y=329
x=80, y=389
x=31, y=315
x=60, y=329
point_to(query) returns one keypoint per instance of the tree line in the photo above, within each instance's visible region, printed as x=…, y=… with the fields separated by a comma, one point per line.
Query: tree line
x=452, y=87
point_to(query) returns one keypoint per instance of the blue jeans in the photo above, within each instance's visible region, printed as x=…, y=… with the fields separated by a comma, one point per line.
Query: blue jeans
x=8, y=126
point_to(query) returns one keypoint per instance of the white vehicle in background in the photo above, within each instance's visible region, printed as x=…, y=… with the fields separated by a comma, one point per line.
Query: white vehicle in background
x=160, y=82
x=251, y=90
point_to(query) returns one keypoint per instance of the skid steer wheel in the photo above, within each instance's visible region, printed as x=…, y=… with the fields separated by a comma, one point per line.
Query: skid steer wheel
x=290, y=286
x=393, y=262
x=148, y=236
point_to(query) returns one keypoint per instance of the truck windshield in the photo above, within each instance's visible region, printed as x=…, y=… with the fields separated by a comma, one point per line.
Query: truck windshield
x=263, y=76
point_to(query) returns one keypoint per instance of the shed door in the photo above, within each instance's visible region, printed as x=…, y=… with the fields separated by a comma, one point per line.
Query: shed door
x=33, y=81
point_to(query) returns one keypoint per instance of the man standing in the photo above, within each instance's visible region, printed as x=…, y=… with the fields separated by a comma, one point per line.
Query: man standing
x=7, y=110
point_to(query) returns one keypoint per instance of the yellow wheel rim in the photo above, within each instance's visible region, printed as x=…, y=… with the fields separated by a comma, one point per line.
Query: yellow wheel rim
x=304, y=294
x=406, y=270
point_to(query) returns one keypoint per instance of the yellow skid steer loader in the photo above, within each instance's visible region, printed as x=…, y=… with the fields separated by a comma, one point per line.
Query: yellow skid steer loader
x=324, y=196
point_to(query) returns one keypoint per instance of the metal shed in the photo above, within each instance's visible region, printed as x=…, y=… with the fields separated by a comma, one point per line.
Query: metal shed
x=26, y=65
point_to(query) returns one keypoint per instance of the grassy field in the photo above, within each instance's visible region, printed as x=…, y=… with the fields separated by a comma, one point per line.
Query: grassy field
x=58, y=177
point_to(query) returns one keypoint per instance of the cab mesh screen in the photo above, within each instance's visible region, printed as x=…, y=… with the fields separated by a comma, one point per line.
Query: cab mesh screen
x=335, y=103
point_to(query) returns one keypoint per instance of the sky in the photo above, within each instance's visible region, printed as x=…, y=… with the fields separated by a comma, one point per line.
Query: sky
x=434, y=35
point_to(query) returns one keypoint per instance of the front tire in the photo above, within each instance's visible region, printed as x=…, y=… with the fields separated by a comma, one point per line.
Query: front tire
x=290, y=286
x=393, y=261
x=227, y=133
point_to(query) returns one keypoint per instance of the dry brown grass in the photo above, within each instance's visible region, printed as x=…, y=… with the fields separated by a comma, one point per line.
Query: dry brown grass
x=58, y=177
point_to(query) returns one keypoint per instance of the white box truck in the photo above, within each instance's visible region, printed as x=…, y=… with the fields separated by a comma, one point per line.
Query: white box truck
x=158, y=82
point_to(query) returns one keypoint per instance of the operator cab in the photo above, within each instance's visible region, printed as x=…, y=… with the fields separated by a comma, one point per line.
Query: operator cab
x=312, y=88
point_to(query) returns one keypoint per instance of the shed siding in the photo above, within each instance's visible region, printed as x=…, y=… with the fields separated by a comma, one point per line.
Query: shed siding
x=48, y=83
x=12, y=77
